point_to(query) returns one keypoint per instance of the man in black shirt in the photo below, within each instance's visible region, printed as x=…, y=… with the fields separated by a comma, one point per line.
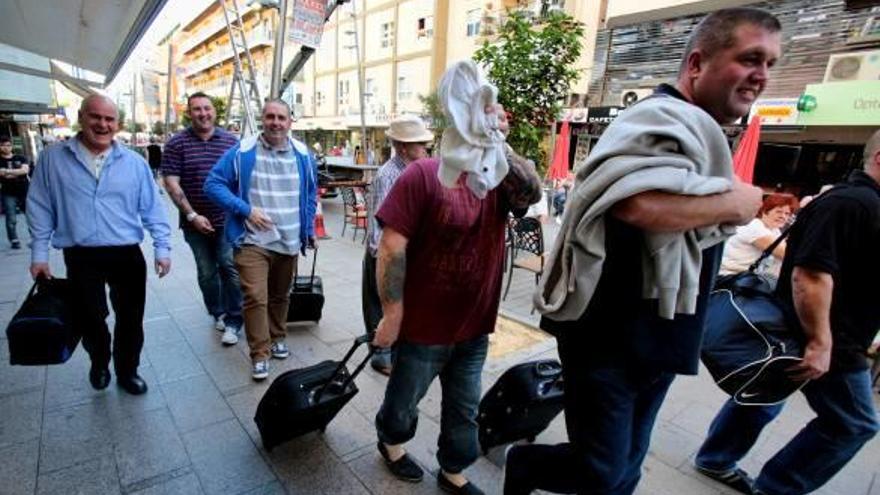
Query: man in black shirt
x=621, y=355
x=13, y=187
x=829, y=277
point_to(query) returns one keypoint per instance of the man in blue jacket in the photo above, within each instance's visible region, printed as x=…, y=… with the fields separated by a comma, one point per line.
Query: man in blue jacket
x=93, y=197
x=266, y=185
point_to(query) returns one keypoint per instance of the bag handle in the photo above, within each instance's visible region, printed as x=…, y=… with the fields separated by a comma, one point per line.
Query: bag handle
x=767, y=252
x=314, y=262
x=363, y=339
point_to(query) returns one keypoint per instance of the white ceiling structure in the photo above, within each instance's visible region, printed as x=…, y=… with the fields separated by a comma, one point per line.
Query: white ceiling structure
x=96, y=35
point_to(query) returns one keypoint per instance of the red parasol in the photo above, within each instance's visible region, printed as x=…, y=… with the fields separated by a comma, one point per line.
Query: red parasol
x=747, y=151
x=559, y=166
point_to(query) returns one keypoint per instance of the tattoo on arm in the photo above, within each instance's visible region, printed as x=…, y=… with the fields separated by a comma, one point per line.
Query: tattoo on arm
x=521, y=186
x=393, y=277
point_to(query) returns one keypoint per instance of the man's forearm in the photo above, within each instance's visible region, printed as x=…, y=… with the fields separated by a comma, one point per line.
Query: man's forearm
x=391, y=275
x=657, y=211
x=812, y=291
x=175, y=192
x=521, y=185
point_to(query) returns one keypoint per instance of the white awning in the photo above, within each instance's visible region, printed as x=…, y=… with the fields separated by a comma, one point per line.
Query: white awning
x=94, y=35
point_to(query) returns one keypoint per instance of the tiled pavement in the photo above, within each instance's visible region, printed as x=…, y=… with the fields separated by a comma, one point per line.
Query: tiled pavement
x=193, y=431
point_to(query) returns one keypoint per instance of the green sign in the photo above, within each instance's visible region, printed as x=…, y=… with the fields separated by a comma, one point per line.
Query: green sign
x=841, y=103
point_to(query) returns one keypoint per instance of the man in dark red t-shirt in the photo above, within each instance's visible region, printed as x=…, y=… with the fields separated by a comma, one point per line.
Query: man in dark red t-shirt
x=447, y=246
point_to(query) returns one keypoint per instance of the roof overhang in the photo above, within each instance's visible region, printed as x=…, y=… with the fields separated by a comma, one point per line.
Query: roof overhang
x=96, y=36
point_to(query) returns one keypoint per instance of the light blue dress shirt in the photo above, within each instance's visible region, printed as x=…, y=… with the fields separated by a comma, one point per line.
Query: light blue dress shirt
x=68, y=206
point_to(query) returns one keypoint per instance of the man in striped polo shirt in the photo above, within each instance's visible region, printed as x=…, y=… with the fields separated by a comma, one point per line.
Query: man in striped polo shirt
x=267, y=186
x=187, y=160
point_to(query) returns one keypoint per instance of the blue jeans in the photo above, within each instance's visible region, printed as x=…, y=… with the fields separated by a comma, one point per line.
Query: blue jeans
x=218, y=278
x=415, y=367
x=10, y=203
x=845, y=420
x=609, y=415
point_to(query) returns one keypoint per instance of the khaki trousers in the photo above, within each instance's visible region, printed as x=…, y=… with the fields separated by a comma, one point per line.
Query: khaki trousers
x=265, y=283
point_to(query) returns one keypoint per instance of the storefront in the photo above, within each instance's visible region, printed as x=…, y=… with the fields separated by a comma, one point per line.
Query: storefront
x=818, y=138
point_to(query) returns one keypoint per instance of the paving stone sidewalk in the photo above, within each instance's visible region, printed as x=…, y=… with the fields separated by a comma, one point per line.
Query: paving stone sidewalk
x=193, y=432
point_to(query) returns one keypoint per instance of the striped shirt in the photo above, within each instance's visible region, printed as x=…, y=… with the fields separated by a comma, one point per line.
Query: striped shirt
x=191, y=158
x=379, y=189
x=274, y=189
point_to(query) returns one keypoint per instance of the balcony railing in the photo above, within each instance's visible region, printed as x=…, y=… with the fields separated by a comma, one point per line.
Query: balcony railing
x=254, y=39
x=211, y=29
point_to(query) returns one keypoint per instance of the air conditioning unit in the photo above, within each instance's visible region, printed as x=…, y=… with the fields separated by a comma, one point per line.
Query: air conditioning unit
x=629, y=96
x=854, y=66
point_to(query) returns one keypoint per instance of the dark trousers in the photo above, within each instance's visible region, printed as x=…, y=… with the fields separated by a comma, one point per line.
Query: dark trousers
x=124, y=270
x=609, y=415
x=11, y=202
x=371, y=307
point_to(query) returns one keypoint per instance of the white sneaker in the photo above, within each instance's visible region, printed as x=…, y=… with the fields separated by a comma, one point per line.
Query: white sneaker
x=230, y=336
x=280, y=350
x=261, y=370
x=219, y=325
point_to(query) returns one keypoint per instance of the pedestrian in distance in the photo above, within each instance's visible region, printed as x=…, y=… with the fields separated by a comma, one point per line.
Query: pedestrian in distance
x=92, y=198
x=267, y=186
x=827, y=280
x=14, y=170
x=626, y=284
x=187, y=161
x=410, y=137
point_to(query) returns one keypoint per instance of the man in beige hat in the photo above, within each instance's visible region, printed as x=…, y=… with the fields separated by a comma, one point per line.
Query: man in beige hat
x=409, y=138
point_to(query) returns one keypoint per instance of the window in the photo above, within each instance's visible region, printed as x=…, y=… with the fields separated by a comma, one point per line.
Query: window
x=319, y=98
x=344, y=87
x=299, y=99
x=369, y=90
x=404, y=91
x=386, y=34
x=425, y=27
x=473, y=22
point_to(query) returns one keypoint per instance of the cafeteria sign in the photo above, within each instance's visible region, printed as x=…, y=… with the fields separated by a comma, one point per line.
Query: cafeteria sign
x=307, y=22
x=777, y=111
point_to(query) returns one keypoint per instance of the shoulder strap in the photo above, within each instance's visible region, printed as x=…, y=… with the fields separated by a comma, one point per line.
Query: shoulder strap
x=767, y=252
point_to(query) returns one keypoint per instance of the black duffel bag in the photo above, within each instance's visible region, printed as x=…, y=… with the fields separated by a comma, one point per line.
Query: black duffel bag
x=42, y=331
x=751, y=338
x=306, y=296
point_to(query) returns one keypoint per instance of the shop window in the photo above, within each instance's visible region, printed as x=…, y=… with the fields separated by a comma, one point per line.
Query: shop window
x=386, y=34
x=425, y=27
x=473, y=22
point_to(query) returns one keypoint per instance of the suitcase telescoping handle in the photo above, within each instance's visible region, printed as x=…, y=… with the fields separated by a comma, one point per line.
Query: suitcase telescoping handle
x=363, y=339
x=314, y=262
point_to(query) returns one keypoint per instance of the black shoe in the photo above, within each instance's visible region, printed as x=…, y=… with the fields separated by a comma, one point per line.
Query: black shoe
x=99, y=377
x=737, y=479
x=132, y=384
x=16, y=245
x=404, y=468
x=448, y=487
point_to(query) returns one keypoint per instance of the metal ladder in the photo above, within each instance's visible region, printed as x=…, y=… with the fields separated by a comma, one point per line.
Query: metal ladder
x=244, y=95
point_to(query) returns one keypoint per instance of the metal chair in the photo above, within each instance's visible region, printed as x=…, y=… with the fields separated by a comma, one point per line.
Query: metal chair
x=355, y=213
x=526, y=235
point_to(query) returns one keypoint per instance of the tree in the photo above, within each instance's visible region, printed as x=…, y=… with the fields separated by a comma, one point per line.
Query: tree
x=219, y=107
x=121, y=118
x=158, y=128
x=431, y=109
x=532, y=66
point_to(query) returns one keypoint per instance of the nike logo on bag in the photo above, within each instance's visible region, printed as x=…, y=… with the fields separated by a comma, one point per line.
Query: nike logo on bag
x=747, y=395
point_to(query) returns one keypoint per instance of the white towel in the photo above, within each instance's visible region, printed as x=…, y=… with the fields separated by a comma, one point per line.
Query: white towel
x=472, y=143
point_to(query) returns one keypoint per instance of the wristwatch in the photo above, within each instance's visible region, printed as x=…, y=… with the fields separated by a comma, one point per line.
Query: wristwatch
x=191, y=216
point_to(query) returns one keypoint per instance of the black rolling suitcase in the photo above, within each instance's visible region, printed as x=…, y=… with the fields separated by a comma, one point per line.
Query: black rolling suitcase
x=521, y=404
x=306, y=400
x=306, y=296
x=41, y=332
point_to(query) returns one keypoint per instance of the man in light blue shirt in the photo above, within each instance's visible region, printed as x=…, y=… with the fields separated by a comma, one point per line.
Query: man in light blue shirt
x=92, y=198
